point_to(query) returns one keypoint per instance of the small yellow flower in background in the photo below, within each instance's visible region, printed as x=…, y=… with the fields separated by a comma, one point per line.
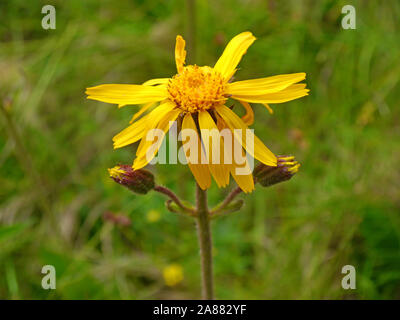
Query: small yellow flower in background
x=199, y=95
x=153, y=216
x=173, y=274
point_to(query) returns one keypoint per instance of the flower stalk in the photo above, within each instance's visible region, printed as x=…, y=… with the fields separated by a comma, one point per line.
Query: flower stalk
x=205, y=243
x=181, y=208
x=224, y=204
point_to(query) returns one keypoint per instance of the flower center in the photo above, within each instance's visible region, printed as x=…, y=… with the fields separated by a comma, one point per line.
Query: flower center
x=197, y=88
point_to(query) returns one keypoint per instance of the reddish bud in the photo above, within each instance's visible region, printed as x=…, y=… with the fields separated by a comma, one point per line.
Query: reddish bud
x=139, y=181
x=286, y=168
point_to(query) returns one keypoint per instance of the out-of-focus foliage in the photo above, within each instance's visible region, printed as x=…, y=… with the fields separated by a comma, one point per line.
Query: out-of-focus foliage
x=290, y=241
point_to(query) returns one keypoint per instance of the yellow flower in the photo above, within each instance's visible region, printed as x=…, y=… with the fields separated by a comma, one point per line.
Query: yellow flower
x=198, y=95
x=173, y=274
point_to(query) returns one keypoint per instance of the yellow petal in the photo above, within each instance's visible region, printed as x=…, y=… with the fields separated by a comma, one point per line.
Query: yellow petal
x=264, y=86
x=142, y=110
x=153, y=119
x=158, y=81
x=123, y=94
x=219, y=171
x=233, y=53
x=200, y=171
x=180, y=53
x=292, y=92
x=241, y=172
x=144, y=155
x=131, y=134
x=137, y=130
x=248, y=118
x=244, y=181
x=258, y=150
x=226, y=148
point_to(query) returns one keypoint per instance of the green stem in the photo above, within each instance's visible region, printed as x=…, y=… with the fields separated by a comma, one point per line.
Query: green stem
x=174, y=198
x=205, y=243
x=232, y=195
x=203, y=218
x=191, y=28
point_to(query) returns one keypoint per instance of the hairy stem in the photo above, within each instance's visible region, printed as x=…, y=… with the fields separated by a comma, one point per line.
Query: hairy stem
x=205, y=243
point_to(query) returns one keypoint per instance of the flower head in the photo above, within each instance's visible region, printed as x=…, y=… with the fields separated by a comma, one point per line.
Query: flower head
x=198, y=95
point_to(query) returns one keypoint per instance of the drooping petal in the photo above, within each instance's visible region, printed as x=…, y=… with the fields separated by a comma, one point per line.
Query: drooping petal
x=258, y=150
x=142, y=110
x=144, y=155
x=264, y=86
x=131, y=134
x=154, y=117
x=233, y=53
x=210, y=137
x=244, y=181
x=200, y=171
x=292, y=92
x=248, y=118
x=180, y=53
x=123, y=94
x=136, y=131
x=241, y=172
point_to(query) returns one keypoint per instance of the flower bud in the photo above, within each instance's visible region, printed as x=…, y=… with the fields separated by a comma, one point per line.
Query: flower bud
x=139, y=181
x=285, y=169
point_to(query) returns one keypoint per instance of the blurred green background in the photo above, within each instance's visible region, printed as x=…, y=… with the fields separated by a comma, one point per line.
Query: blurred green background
x=289, y=242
